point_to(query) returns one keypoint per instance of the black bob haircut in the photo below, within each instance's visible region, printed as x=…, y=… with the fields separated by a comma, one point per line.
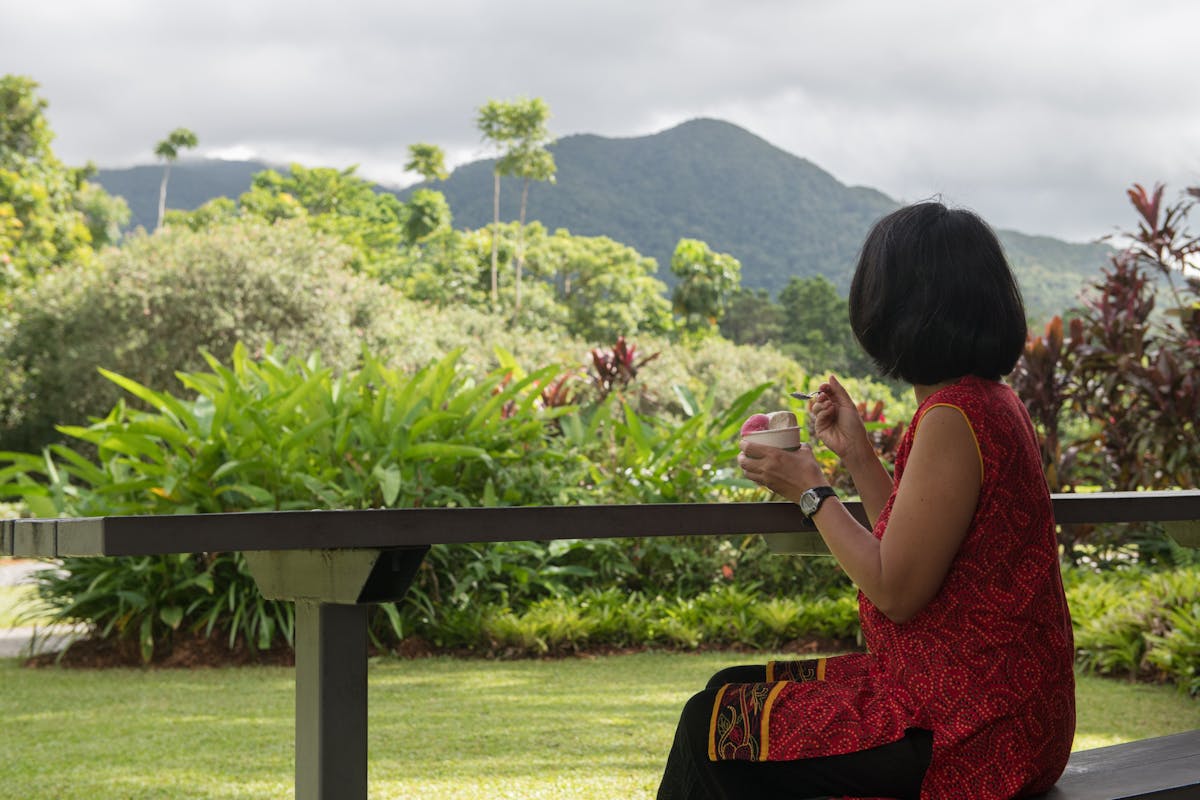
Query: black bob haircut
x=933, y=298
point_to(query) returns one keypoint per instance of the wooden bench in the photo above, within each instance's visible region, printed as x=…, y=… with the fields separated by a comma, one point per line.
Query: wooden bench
x=1164, y=768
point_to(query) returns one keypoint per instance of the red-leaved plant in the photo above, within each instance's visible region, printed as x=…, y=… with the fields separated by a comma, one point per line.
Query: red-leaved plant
x=616, y=367
x=1133, y=374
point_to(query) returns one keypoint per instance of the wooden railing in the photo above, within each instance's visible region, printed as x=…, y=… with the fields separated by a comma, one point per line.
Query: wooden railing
x=1179, y=511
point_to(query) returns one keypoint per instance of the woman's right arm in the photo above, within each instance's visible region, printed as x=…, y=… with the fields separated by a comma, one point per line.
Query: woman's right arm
x=841, y=429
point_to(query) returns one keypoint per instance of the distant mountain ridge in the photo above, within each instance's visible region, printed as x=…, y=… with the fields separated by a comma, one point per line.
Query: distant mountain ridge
x=779, y=214
x=193, y=183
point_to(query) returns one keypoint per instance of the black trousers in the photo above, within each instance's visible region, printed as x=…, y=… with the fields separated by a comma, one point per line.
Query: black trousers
x=892, y=770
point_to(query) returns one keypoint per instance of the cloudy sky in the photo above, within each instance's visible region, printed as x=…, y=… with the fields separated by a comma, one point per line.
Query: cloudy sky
x=1036, y=113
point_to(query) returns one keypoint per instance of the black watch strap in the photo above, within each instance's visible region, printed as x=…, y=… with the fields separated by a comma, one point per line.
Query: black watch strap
x=820, y=494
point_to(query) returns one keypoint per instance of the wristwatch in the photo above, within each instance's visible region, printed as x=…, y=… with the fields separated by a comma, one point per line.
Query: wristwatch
x=811, y=500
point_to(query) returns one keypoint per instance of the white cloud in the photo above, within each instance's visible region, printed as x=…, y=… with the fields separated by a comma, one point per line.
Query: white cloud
x=1036, y=114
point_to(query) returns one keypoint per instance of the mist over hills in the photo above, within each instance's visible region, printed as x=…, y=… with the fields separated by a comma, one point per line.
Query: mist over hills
x=779, y=214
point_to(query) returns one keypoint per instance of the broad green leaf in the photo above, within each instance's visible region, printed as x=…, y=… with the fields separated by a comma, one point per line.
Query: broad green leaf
x=306, y=434
x=133, y=599
x=146, y=638
x=428, y=420
x=171, y=616
x=27, y=461
x=159, y=400
x=131, y=444
x=160, y=428
x=433, y=451
x=205, y=581
x=24, y=488
x=303, y=382
x=266, y=632
x=508, y=362
x=79, y=466
x=202, y=383
x=204, y=411
x=686, y=399
x=228, y=467
x=257, y=494
x=389, y=482
x=41, y=507
x=636, y=430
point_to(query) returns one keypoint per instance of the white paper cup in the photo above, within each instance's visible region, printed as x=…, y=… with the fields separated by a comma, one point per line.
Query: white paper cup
x=786, y=438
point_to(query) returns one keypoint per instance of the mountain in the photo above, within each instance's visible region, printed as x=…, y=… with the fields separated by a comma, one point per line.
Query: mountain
x=779, y=214
x=193, y=183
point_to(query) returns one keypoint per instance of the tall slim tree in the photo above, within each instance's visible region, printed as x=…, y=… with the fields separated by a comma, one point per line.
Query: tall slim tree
x=168, y=150
x=528, y=159
x=428, y=161
x=492, y=121
x=427, y=211
x=517, y=129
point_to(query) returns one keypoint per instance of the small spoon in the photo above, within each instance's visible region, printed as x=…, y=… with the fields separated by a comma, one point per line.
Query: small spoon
x=804, y=395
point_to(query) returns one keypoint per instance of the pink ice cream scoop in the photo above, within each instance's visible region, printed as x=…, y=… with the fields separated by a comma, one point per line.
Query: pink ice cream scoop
x=757, y=422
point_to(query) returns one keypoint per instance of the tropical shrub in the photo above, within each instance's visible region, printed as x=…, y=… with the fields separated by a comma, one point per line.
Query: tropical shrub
x=586, y=287
x=149, y=308
x=144, y=601
x=262, y=434
x=626, y=458
x=267, y=435
x=1134, y=623
x=1113, y=391
x=335, y=204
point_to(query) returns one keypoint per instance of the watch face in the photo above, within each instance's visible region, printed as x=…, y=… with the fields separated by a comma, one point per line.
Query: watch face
x=808, y=503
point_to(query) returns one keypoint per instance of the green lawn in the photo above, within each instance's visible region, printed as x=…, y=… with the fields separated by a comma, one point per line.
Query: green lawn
x=594, y=728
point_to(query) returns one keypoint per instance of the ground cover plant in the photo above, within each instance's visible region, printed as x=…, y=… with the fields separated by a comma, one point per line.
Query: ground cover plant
x=1138, y=623
x=587, y=728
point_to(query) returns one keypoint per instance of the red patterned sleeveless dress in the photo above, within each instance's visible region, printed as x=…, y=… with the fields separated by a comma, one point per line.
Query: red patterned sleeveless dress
x=986, y=666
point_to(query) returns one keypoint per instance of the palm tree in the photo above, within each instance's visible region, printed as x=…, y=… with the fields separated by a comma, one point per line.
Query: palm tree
x=518, y=129
x=168, y=150
x=492, y=121
x=428, y=161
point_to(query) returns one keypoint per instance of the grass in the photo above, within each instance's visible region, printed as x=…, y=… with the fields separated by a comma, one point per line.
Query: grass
x=594, y=728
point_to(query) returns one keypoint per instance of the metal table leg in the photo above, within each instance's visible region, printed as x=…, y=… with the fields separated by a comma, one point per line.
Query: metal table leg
x=331, y=701
x=334, y=591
